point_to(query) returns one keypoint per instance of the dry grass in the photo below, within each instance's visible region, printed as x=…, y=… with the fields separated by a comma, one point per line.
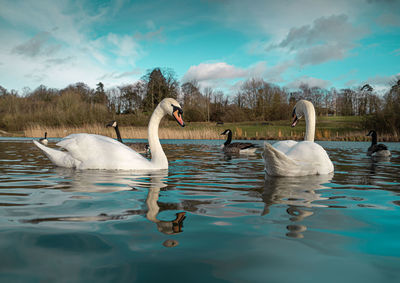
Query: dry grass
x=126, y=132
x=206, y=132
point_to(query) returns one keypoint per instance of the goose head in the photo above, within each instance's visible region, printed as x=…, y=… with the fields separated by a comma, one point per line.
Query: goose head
x=226, y=132
x=171, y=106
x=299, y=110
x=112, y=124
x=371, y=133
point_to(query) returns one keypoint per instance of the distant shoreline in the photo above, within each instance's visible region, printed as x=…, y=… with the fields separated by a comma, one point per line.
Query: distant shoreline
x=195, y=133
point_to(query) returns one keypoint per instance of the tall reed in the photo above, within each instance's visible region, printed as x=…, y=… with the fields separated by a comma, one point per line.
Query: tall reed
x=126, y=132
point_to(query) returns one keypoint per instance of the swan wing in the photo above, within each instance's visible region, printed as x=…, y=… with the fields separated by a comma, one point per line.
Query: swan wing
x=277, y=163
x=284, y=146
x=304, y=158
x=100, y=152
x=312, y=157
x=58, y=157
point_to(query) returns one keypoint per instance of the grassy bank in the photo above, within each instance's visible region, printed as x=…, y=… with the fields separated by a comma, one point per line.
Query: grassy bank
x=341, y=128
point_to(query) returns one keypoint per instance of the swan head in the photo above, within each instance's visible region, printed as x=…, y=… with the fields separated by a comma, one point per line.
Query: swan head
x=226, y=132
x=371, y=133
x=112, y=124
x=171, y=106
x=299, y=110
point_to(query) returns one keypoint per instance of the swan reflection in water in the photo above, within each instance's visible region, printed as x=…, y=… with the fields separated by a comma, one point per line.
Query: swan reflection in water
x=111, y=181
x=299, y=194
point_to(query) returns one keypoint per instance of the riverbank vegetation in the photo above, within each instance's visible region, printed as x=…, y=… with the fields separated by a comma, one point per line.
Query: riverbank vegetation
x=256, y=110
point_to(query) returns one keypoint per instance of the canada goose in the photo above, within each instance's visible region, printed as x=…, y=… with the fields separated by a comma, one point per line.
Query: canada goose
x=237, y=147
x=291, y=158
x=378, y=150
x=44, y=140
x=88, y=151
x=137, y=146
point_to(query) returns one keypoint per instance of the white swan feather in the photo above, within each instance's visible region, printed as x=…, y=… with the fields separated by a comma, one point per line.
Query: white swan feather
x=89, y=151
x=291, y=158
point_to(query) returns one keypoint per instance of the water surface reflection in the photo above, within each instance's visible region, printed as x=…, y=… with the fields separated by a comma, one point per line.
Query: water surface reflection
x=227, y=220
x=299, y=194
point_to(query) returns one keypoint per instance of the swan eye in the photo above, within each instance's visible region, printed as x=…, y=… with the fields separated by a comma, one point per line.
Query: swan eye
x=176, y=108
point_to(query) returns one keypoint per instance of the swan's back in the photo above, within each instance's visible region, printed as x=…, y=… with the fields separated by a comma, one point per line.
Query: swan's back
x=100, y=152
x=284, y=146
x=304, y=158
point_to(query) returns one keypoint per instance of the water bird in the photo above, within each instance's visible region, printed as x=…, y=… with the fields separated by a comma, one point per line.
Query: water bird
x=137, y=146
x=89, y=151
x=237, y=147
x=44, y=140
x=378, y=150
x=291, y=158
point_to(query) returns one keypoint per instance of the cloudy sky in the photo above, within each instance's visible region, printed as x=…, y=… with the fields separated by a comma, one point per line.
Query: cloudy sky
x=219, y=43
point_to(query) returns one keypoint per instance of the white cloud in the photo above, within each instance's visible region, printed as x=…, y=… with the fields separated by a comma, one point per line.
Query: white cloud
x=310, y=81
x=275, y=18
x=120, y=75
x=52, y=43
x=37, y=45
x=382, y=84
x=275, y=73
x=389, y=19
x=213, y=71
x=328, y=38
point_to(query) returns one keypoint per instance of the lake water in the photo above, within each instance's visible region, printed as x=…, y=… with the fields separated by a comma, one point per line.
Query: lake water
x=209, y=218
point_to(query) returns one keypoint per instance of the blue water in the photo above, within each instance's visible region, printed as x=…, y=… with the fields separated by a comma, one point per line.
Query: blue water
x=209, y=218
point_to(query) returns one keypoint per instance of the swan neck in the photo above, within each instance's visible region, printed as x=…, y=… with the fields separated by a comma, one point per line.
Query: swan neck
x=309, y=114
x=158, y=157
x=152, y=206
x=118, y=134
x=228, y=139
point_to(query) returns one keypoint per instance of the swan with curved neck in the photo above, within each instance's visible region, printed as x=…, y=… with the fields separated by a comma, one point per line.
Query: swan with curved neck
x=291, y=158
x=88, y=151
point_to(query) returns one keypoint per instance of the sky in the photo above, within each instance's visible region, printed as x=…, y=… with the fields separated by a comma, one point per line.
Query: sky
x=219, y=43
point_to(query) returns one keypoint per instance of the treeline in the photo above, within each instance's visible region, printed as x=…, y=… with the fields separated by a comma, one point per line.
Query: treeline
x=131, y=104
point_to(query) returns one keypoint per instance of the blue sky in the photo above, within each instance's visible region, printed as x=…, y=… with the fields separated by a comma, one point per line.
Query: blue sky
x=218, y=43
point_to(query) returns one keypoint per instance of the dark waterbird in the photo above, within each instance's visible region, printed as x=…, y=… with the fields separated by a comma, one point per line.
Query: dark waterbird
x=237, y=147
x=379, y=150
x=138, y=147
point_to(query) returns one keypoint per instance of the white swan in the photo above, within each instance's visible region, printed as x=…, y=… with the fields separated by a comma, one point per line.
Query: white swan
x=291, y=158
x=88, y=151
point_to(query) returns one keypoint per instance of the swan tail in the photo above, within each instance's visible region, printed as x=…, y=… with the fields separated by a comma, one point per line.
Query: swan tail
x=59, y=158
x=277, y=163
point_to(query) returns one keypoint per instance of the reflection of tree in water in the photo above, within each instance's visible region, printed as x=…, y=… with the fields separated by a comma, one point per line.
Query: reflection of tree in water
x=365, y=171
x=108, y=181
x=298, y=193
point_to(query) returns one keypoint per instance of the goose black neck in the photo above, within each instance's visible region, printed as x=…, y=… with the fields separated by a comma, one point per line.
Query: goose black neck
x=229, y=139
x=374, y=138
x=118, y=134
